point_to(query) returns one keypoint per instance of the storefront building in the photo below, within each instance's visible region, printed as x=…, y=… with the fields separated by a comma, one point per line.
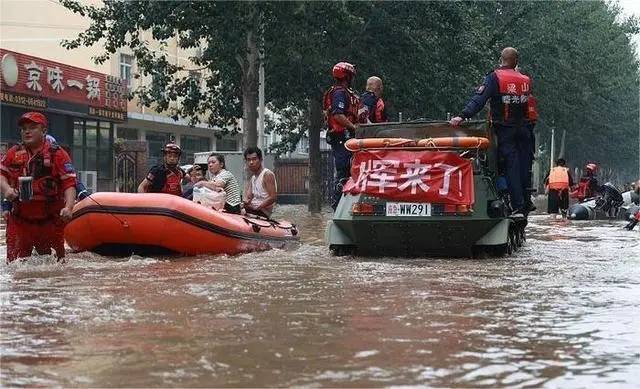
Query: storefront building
x=83, y=108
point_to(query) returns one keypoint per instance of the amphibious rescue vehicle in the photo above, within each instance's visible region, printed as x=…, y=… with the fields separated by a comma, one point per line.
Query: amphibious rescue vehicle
x=424, y=188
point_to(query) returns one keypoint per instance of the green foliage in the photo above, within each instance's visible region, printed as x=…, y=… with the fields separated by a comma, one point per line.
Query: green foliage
x=430, y=55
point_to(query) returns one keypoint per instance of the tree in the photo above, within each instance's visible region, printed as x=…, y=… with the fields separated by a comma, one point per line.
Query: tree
x=226, y=34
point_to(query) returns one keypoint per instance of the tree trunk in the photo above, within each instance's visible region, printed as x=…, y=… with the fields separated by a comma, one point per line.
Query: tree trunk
x=249, y=66
x=315, y=179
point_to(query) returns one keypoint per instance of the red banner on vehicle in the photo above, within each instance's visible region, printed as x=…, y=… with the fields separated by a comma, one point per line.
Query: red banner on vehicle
x=412, y=176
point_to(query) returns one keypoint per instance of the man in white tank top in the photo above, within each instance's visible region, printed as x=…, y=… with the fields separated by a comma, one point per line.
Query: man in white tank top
x=261, y=191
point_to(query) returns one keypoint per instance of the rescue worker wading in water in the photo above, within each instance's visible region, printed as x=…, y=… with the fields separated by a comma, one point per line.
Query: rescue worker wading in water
x=39, y=178
x=165, y=178
x=340, y=105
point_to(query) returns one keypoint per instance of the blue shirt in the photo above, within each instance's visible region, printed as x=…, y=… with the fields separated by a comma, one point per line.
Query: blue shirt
x=339, y=102
x=483, y=93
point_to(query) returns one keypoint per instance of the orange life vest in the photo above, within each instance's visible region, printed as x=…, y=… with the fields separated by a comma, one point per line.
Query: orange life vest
x=48, y=198
x=512, y=101
x=559, y=178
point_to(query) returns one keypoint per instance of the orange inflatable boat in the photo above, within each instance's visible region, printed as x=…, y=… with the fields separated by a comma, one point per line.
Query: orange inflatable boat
x=453, y=142
x=126, y=223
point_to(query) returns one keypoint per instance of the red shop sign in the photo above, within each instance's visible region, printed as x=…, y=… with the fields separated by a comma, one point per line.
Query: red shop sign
x=413, y=176
x=28, y=75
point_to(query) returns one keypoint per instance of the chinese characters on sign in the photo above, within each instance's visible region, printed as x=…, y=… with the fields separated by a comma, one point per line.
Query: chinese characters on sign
x=55, y=79
x=43, y=79
x=33, y=78
x=24, y=100
x=107, y=114
x=428, y=176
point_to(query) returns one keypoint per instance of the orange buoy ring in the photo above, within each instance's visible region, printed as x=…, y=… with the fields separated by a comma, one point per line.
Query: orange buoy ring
x=461, y=142
x=377, y=143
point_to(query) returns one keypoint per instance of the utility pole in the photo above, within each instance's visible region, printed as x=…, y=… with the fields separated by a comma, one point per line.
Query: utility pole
x=261, y=117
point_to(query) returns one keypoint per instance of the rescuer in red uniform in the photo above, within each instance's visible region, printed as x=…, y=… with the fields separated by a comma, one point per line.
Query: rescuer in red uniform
x=165, y=178
x=37, y=176
x=341, y=105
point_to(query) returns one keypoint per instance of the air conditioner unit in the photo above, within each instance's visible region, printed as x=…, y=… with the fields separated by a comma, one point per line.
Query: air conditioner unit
x=89, y=178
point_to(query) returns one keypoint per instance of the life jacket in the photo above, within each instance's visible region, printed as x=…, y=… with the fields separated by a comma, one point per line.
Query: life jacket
x=48, y=198
x=169, y=181
x=559, y=178
x=371, y=105
x=511, y=104
x=584, y=188
x=351, y=113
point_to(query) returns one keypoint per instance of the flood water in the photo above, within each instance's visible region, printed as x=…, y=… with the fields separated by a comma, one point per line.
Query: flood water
x=563, y=312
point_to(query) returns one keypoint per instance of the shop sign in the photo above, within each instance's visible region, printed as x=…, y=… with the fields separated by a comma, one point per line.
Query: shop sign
x=23, y=74
x=116, y=116
x=23, y=100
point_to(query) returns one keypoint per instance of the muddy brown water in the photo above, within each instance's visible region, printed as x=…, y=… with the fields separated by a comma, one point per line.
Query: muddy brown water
x=563, y=312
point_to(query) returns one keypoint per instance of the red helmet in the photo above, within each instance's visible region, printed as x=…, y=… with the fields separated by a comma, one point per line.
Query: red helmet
x=33, y=117
x=592, y=166
x=171, y=147
x=343, y=70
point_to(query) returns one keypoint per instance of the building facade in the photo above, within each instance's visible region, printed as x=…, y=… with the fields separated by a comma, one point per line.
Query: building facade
x=83, y=108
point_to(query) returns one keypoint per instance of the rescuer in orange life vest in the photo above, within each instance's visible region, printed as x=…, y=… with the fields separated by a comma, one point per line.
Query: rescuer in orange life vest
x=39, y=178
x=558, y=182
x=165, y=178
x=340, y=105
x=508, y=92
x=588, y=184
x=373, y=106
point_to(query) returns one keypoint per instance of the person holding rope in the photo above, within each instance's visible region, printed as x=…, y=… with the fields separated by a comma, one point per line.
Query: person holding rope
x=37, y=176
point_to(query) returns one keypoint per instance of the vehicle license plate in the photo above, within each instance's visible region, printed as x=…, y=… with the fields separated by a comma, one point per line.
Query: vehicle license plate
x=408, y=209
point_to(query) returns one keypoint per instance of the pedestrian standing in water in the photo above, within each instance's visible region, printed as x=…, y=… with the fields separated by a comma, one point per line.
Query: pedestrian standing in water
x=558, y=182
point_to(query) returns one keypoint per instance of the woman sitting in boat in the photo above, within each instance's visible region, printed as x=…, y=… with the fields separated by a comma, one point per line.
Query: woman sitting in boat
x=220, y=179
x=165, y=178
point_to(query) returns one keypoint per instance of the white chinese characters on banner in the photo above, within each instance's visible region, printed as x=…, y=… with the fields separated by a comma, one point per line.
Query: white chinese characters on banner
x=33, y=76
x=54, y=77
x=385, y=174
x=93, y=88
x=416, y=171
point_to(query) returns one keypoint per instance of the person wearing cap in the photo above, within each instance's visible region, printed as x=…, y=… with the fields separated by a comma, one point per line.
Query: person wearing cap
x=588, y=185
x=167, y=177
x=38, y=177
x=341, y=105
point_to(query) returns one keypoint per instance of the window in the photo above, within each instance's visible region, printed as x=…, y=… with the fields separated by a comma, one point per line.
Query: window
x=91, y=146
x=196, y=76
x=156, y=141
x=105, y=150
x=128, y=133
x=78, y=144
x=227, y=143
x=126, y=65
x=192, y=144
